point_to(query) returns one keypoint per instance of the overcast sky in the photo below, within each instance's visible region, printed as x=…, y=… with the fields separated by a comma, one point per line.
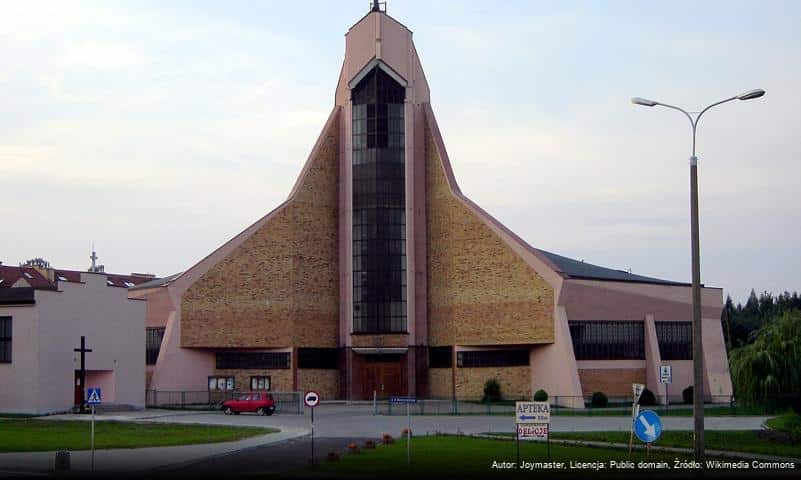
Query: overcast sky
x=159, y=130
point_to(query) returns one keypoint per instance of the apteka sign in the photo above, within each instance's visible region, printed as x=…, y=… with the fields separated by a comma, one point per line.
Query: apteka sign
x=532, y=412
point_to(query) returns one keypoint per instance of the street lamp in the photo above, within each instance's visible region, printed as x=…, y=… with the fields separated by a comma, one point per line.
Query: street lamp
x=698, y=360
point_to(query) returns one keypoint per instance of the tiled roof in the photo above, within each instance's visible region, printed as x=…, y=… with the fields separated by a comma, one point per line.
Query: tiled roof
x=579, y=269
x=112, y=279
x=10, y=275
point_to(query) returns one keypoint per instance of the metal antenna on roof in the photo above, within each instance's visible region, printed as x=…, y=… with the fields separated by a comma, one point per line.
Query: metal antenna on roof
x=95, y=267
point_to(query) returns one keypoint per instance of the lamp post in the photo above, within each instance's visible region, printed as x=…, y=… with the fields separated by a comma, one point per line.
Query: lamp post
x=698, y=350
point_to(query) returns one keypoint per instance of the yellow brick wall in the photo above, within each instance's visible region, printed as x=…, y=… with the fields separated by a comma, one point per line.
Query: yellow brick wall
x=614, y=382
x=324, y=382
x=479, y=291
x=440, y=383
x=280, y=287
x=515, y=382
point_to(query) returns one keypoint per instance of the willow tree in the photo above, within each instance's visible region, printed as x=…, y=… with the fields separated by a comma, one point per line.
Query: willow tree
x=767, y=372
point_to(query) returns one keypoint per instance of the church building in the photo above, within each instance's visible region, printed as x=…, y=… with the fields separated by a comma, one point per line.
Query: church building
x=378, y=276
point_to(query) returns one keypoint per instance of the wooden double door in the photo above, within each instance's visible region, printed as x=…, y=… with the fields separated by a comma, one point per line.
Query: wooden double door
x=384, y=378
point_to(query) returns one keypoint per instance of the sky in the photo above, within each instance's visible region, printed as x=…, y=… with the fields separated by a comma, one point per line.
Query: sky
x=159, y=130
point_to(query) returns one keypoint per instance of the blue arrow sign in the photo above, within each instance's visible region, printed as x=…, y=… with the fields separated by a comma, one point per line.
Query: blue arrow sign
x=93, y=396
x=528, y=417
x=648, y=426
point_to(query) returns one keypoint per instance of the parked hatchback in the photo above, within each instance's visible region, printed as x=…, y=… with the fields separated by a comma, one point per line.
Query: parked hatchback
x=260, y=403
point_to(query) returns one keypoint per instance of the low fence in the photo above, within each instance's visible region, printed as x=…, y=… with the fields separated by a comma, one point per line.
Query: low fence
x=564, y=405
x=285, y=402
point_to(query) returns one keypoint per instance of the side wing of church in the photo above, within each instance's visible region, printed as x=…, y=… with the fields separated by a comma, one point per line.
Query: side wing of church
x=377, y=276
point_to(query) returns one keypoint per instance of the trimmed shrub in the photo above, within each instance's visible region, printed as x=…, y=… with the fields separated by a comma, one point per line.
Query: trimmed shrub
x=405, y=432
x=332, y=457
x=687, y=394
x=492, y=391
x=540, y=396
x=647, y=398
x=387, y=439
x=353, y=447
x=599, y=399
x=369, y=444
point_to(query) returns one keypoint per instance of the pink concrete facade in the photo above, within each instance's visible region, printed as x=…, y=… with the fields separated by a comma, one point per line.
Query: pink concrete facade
x=40, y=378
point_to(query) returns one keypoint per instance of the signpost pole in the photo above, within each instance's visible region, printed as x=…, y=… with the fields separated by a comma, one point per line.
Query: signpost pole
x=312, y=436
x=631, y=433
x=92, y=438
x=408, y=436
x=517, y=440
x=548, y=442
x=311, y=399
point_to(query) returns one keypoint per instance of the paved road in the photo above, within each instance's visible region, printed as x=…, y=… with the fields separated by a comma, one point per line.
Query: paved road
x=335, y=426
x=289, y=456
x=340, y=421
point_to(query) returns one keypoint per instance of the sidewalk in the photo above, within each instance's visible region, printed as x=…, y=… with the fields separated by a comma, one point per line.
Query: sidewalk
x=126, y=460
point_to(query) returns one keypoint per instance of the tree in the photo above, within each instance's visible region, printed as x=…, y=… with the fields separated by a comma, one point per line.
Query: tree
x=768, y=371
x=36, y=262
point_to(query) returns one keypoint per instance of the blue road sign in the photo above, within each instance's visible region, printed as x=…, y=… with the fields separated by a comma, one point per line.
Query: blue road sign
x=93, y=396
x=402, y=400
x=648, y=426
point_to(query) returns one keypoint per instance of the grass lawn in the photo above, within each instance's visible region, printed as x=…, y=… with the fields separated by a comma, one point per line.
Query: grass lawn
x=749, y=441
x=788, y=422
x=18, y=435
x=471, y=457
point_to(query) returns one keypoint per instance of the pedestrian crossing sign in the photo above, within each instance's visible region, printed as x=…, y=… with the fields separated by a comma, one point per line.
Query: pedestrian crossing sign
x=93, y=396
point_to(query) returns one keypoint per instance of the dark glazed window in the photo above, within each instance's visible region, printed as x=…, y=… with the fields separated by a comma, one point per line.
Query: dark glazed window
x=492, y=358
x=608, y=340
x=379, y=202
x=675, y=340
x=321, y=358
x=252, y=360
x=5, y=339
x=440, y=357
x=153, y=344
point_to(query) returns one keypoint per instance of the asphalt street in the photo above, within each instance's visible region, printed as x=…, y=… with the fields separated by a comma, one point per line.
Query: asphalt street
x=342, y=421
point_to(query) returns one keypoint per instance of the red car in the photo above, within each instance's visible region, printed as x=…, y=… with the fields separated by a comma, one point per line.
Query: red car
x=261, y=403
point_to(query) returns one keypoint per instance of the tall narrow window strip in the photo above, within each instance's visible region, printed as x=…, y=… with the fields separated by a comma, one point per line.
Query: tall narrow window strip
x=608, y=340
x=154, y=336
x=379, y=205
x=5, y=339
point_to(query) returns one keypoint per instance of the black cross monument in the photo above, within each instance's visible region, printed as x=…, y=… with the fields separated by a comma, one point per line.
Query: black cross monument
x=83, y=351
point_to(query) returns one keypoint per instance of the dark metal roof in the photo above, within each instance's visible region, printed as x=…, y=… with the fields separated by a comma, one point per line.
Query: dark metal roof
x=17, y=296
x=579, y=269
x=157, y=282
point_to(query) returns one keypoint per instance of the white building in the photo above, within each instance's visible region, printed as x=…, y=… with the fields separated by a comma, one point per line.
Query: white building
x=44, y=313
